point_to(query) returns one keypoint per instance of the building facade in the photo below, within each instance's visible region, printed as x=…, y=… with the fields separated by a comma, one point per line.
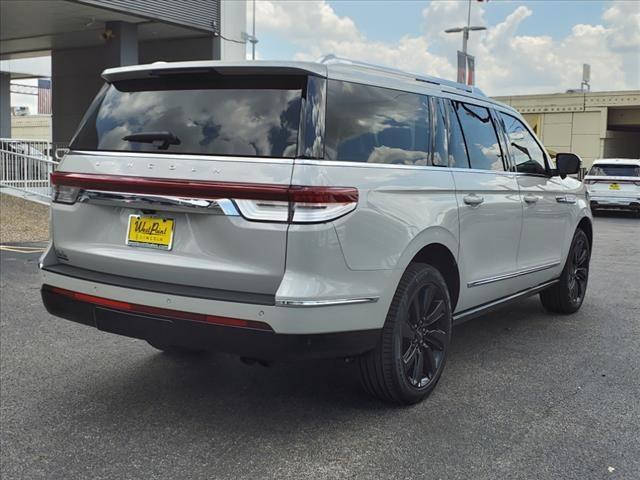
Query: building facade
x=84, y=37
x=591, y=124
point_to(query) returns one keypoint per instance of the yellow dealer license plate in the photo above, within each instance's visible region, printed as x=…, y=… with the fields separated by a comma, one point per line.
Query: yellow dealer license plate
x=614, y=186
x=150, y=232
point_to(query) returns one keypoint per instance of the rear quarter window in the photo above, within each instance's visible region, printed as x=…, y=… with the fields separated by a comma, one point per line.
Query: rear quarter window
x=376, y=125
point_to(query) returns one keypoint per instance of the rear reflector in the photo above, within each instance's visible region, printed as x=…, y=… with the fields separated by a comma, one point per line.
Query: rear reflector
x=161, y=312
x=256, y=201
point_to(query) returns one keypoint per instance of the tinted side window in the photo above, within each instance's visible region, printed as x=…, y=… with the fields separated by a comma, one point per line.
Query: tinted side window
x=312, y=126
x=440, y=134
x=480, y=135
x=527, y=154
x=376, y=125
x=457, y=149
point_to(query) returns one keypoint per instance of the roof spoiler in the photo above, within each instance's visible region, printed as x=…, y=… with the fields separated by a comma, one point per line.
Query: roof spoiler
x=157, y=69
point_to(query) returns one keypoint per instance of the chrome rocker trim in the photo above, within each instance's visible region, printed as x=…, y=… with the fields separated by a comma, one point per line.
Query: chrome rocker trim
x=325, y=303
x=488, y=307
x=507, y=276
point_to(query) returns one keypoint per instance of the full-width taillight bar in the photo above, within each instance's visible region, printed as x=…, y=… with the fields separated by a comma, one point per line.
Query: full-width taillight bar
x=256, y=201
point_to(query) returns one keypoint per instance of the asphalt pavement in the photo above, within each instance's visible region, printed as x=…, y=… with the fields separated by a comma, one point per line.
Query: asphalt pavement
x=525, y=394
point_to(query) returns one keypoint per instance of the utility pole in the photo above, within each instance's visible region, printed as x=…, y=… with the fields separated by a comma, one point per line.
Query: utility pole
x=253, y=39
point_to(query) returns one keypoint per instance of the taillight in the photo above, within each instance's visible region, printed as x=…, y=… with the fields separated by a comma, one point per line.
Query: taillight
x=330, y=203
x=257, y=202
x=321, y=204
x=65, y=194
x=263, y=210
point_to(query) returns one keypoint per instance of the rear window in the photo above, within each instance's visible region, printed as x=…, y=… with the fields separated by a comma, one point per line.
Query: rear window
x=613, y=170
x=197, y=114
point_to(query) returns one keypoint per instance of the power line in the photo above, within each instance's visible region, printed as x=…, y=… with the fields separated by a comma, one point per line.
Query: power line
x=218, y=34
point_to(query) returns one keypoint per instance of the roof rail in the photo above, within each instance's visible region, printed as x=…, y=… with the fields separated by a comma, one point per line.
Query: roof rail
x=334, y=59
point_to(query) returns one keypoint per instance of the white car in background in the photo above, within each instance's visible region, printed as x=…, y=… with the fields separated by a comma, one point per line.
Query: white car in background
x=614, y=183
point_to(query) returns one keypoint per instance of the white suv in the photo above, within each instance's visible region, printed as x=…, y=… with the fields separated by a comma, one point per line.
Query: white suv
x=614, y=183
x=281, y=210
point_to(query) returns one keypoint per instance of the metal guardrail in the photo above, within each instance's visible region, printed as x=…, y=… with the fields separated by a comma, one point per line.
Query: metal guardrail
x=26, y=165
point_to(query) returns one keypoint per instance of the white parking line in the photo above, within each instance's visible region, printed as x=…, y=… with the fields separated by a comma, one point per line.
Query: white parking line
x=19, y=249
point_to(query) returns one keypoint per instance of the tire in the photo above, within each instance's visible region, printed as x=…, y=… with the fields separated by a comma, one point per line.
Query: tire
x=566, y=296
x=409, y=359
x=174, y=349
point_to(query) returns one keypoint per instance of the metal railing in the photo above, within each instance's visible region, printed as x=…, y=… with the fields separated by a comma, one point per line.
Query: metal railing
x=26, y=165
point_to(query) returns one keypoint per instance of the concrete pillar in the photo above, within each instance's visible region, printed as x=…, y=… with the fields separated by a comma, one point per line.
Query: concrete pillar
x=5, y=105
x=121, y=46
x=75, y=75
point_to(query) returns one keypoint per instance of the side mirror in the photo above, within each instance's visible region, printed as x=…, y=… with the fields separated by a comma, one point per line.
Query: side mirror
x=567, y=164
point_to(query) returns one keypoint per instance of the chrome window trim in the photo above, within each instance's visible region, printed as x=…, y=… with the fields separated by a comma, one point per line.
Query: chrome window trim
x=338, y=163
x=180, y=156
x=325, y=303
x=507, y=276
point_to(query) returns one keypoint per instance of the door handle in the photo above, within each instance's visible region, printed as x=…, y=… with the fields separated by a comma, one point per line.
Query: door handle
x=566, y=199
x=473, y=199
x=530, y=198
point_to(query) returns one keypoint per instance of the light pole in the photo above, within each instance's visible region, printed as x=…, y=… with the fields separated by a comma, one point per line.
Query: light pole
x=465, y=39
x=253, y=38
x=465, y=30
x=465, y=34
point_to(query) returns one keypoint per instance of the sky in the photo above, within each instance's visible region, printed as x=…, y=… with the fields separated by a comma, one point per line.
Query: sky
x=528, y=47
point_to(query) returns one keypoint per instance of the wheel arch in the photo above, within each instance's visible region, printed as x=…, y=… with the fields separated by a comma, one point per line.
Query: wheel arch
x=440, y=257
x=587, y=227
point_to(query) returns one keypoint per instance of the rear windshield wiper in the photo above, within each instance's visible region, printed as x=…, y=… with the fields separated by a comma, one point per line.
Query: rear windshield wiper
x=167, y=138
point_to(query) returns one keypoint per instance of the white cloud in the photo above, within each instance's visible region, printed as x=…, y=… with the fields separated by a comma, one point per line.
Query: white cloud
x=507, y=63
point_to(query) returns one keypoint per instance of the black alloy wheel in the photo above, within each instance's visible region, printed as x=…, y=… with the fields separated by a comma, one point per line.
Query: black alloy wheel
x=578, y=273
x=567, y=295
x=424, y=335
x=407, y=363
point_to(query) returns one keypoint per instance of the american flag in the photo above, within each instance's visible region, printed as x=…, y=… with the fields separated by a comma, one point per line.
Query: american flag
x=44, y=95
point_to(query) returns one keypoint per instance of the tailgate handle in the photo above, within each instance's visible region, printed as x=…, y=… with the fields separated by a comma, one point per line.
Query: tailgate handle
x=218, y=206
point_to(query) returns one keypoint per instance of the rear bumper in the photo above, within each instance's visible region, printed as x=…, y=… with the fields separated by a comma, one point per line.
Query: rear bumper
x=171, y=329
x=612, y=201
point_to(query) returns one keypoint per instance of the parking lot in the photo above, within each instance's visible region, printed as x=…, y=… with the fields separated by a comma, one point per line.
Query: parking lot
x=525, y=395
